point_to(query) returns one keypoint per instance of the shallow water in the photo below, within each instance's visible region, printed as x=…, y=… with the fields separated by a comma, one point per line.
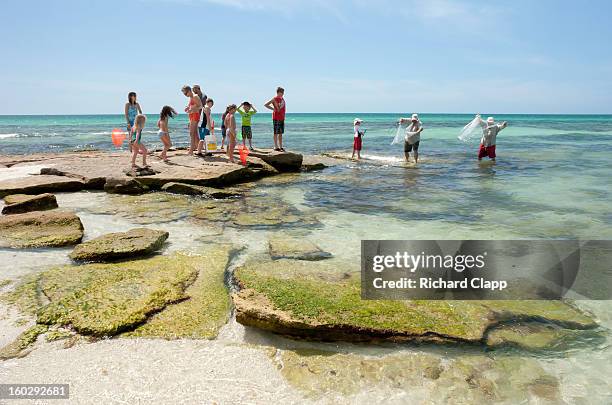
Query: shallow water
x=552, y=180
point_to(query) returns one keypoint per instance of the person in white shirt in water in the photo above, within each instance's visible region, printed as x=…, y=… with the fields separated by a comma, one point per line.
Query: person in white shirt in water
x=489, y=136
x=413, y=136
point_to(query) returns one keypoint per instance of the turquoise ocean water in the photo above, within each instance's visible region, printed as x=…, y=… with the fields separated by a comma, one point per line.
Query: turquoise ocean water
x=552, y=178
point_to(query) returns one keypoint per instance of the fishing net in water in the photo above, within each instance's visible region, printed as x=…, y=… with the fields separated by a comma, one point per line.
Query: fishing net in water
x=468, y=131
x=399, y=135
x=403, y=133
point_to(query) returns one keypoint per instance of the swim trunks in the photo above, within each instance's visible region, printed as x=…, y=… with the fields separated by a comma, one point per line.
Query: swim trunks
x=408, y=147
x=247, y=133
x=162, y=133
x=357, y=143
x=203, y=132
x=194, y=117
x=279, y=126
x=486, y=151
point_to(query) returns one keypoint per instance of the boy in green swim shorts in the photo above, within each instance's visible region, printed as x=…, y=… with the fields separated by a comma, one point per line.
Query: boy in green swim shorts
x=246, y=111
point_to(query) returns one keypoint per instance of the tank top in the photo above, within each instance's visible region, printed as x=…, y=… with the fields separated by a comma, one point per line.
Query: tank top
x=279, y=115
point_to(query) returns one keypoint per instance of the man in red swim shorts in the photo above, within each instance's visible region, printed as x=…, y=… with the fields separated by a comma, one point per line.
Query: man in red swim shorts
x=193, y=109
x=489, y=136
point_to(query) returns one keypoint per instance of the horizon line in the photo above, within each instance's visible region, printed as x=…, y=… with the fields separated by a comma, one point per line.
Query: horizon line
x=326, y=112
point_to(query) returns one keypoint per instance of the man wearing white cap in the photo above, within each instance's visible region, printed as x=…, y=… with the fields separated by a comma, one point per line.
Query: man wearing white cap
x=489, y=135
x=413, y=136
x=357, y=135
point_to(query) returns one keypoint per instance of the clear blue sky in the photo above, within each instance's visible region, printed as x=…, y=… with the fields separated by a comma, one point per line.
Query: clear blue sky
x=76, y=57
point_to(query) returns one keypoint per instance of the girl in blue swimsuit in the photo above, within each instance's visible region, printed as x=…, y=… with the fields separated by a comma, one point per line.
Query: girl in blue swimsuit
x=131, y=110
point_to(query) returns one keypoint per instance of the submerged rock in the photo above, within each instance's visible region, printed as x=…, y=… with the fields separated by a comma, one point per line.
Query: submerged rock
x=318, y=300
x=540, y=336
x=149, y=208
x=182, y=188
x=284, y=246
x=190, y=189
x=20, y=203
x=254, y=211
x=40, y=229
x=124, y=186
x=432, y=378
x=107, y=299
x=120, y=245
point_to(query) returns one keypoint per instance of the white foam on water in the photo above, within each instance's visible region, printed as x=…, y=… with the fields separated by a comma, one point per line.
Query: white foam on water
x=5, y=136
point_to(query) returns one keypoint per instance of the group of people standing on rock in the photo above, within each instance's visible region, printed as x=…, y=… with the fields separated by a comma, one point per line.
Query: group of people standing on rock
x=412, y=136
x=202, y=125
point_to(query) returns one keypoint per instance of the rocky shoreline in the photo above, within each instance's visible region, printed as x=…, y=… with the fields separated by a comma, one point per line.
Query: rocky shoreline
x=125, y=285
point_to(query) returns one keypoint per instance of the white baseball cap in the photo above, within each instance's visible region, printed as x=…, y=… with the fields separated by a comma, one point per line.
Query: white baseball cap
x=357, y=121
x=415, y=117
x=490, y=120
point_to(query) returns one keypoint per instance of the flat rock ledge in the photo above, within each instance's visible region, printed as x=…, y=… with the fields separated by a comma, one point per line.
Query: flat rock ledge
x=120, y=245
x=20, y=203
x=40, y=229
x=320, y=301
x=97, y=170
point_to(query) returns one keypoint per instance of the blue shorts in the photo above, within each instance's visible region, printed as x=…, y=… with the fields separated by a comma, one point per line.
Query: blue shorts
x=203, y=133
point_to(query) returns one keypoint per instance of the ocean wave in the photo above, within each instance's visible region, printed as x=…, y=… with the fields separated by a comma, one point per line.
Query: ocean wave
x=4, y=136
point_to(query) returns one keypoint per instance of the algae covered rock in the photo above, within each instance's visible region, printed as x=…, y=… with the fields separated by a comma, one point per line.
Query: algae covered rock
x=106, y=299
x=40, y=229
x=320, y=300
x=19, y=347
x=315, y=300
x=283, y=246
x=177, y=296
x=206, y=308
x=120, y=245
x=20, y=203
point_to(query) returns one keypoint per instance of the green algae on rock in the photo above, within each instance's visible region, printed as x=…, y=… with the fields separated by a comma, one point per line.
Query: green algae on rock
x=120, y=245
x=206, y=308
x=40, y=229
x=106, y=299
x=26, y=296
x=18, y=348
x=315, y=300
x=283, y=246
